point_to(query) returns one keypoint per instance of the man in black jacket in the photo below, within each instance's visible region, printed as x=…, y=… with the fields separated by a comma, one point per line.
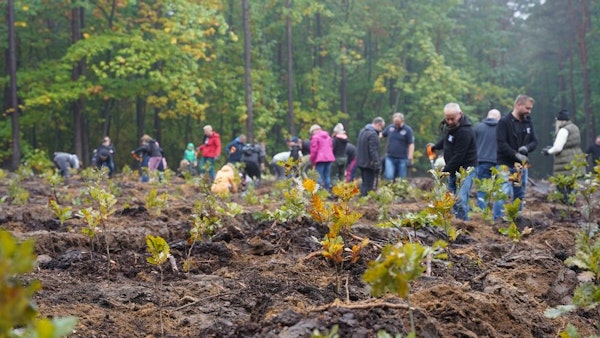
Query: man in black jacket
x=368, y=154
x=516, y=139
x=460, y=151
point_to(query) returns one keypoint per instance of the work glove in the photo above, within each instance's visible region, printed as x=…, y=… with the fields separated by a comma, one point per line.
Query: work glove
x=523, y=150
x=409, y=162
x=545, y=150
x=377, y=168
x=521, y=158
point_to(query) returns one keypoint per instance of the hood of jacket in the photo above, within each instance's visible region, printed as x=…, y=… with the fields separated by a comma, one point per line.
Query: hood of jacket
x=490, y=122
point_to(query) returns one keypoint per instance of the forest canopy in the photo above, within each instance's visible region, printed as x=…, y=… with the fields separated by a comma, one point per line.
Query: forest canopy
x=124, y=68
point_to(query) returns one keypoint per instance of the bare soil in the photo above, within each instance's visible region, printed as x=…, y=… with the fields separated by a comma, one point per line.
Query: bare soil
x=262, y=279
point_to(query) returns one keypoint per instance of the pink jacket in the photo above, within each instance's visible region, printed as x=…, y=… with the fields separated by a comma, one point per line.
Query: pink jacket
x=321, y=148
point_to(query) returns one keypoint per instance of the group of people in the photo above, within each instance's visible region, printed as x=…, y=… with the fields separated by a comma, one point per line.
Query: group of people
x=503, y=142
x=497, y=141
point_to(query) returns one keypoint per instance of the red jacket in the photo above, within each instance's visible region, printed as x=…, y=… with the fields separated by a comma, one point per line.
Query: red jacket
x=211, y=148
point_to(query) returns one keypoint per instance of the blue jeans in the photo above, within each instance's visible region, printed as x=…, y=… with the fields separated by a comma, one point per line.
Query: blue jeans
x=461, y=206
x=324, y=170
x=483, y=171
x=511, y=191
x=394, y=167
x=211, y=168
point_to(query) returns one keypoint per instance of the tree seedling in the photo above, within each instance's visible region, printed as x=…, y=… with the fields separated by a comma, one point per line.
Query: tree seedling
x=397, y=266
x=492, y=189
x=18, y=315
x=155, y=203
x=61, y=213
x=339, y=217
x=159, y=254
x=512, y=213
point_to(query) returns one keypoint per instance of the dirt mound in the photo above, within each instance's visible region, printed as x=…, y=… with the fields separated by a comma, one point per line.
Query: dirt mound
x=256, y=278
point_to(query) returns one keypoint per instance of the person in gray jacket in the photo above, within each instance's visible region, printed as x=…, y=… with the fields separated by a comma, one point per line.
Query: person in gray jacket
x=487, y=146
x=64, y=162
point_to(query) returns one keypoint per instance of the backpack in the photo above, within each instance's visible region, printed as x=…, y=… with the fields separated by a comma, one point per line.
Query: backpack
x=249, y=150
x=153, y=147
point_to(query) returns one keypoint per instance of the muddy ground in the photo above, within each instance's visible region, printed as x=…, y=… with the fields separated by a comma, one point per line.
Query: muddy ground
x=261, y=279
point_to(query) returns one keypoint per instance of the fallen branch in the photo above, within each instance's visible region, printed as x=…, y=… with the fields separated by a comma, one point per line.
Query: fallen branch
x=196, y=302
x=337, y=304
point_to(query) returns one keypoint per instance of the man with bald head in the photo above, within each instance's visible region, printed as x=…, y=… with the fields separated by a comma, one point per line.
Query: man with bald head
x=487, y=146
x=460, y=151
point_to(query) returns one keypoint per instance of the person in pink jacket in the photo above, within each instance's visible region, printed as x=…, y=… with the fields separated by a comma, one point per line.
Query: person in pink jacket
x=210, y=150
x=321, y=154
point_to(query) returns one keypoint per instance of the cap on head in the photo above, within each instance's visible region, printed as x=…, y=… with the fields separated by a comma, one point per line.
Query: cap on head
x=207, y=128
x=563, y=115
x=314, y=128
x=293, y=139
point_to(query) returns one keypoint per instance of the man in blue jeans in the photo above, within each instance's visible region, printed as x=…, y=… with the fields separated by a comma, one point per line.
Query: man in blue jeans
x=516, y=139
x=487, y=146
x=400, y=148
x=460, y=151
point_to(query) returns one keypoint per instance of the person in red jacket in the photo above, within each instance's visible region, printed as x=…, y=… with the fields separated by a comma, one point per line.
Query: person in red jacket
x=210, y=149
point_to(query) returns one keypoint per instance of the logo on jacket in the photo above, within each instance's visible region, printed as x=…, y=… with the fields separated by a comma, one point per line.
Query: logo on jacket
x=403, y=132
x=528, y=130
x=451, y=138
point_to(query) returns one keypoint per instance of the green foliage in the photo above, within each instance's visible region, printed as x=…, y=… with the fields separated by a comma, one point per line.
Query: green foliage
x=92, y=218
x=492, y=189
x=17, y=194
x=158, y=249
x=38, y=161
x=441, y=204
x=18, y=315
x=383, y=197
x=331, y=333
x=155, y=203
x=61, y=213
x=567, y=184
x=512, y=213
x=201, y=226
x=397, y=267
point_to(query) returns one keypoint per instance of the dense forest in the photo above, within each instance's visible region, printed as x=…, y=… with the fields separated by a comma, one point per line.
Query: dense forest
x=76, y=70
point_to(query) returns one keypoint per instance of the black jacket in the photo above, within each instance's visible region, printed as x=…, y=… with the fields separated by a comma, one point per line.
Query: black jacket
x=368, y=148
x=512, y=134
x=459, y=146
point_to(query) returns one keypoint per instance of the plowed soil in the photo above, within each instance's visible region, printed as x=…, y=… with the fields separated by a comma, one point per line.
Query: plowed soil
x=263, y=279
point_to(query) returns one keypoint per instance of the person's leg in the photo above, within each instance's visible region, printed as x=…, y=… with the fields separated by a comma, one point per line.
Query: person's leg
x=462, y=197
x=389, y=171
x=483, y=171
x=201, y=165
x=402, y=168
x=327, y=178
x=211, y=169
x=519, y=191
x=320, y=168
x=507, y=189
x=368, y=181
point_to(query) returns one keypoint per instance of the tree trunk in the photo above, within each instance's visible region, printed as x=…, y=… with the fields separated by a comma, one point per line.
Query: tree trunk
x=582, y=20
x=343, y=82
x=140, y=113
x=248, y=71
x=78, y=105
x=290, y=69
x=12, y=71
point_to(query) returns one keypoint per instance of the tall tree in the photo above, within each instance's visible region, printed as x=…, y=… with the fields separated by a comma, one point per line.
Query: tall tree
x=580, y=16
x=248, y=71
x=290, y=68
x=13, y=108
